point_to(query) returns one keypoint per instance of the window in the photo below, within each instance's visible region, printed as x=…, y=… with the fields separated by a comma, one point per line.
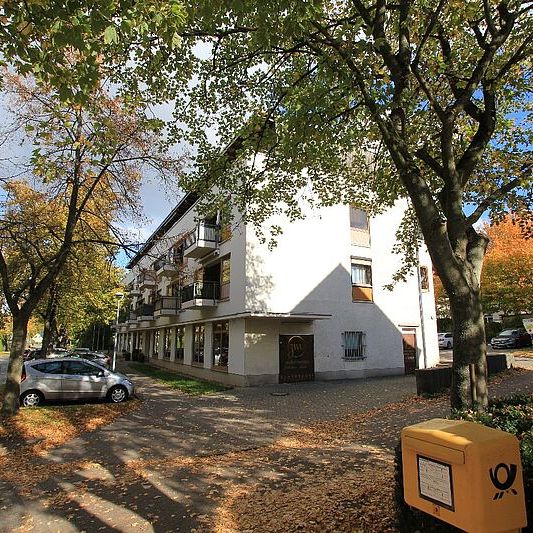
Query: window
x=155, y=347
x=361, y=280
x=166, y=343
x=354, y=345
x=174, y=289
x=175, y=254
x=220, y=345
x=55, y=367
x=225, y=269
x=424, y=278
x=198, y=339
x=80, y=368
x=179, y=343
x=225, y=227
x=360, y=234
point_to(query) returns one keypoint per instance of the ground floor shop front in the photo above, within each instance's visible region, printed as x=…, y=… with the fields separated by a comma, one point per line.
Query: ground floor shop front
x=252, y=351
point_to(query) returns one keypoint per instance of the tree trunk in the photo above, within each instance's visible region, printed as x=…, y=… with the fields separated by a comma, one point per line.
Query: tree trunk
x=469, y=353
x=50, y=322
x=10, y=404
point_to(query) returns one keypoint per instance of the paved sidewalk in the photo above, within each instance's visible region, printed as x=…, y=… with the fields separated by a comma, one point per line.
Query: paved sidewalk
x=108, y=480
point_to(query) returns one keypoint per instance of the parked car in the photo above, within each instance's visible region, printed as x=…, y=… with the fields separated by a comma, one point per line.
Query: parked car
x=71, y=378
x=446, y=340
x=512, y=338
x=57, y=352
x=32, y=354
x=97, y=357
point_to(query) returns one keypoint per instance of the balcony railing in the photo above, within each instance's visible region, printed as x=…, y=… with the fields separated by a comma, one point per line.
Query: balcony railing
x=200, y=290
x=202, y=240
x=147, y=280
x=132, y=316
x=145, y=312
x=167, y=305
x=159, y=264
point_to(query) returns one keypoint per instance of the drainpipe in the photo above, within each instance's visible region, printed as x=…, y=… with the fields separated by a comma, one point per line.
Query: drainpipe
x=421, y=307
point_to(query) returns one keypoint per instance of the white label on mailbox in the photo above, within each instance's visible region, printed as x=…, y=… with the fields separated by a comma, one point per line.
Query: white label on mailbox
x=435, y=481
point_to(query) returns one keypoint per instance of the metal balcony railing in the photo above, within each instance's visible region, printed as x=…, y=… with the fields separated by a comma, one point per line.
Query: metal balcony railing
x=200, y=290
x=203, y=232
x=167, y=303
x=145, y=310
x=159, y=263
x=147, y=280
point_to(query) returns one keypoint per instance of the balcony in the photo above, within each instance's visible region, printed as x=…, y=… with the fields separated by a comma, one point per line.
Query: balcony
x=145, y=312
x=167, y=306
x=200, y=294
x=147, y=281
x=202, y=240
x=132, y=317
x=167, y=269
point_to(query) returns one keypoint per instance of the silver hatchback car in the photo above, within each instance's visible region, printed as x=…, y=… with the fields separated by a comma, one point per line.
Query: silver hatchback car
x=70, y=378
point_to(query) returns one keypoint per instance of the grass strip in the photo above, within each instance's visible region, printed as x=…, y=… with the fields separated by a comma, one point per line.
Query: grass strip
x=186, y=384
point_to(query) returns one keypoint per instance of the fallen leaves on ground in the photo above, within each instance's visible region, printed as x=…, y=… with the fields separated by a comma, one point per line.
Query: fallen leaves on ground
x=334, y=475
x=32, y=432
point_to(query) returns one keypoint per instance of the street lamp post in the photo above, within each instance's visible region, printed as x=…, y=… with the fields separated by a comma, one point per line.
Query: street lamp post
x=120, y=297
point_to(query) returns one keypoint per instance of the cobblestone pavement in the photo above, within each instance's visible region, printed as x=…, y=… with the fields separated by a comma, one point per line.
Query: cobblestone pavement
x=170, y=424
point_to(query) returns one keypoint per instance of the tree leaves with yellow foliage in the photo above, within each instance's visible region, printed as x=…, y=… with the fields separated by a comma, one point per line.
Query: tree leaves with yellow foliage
x=78, y=188
x=507, y=278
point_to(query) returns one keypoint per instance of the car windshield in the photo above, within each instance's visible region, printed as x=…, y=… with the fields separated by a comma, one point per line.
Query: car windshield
x=507, y=333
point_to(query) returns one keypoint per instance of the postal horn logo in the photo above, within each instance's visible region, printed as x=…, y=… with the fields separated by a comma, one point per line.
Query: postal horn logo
x=503, y=476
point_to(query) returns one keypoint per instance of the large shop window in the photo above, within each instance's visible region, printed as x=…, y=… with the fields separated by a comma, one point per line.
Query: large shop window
x=361, y=280
x=359, y=227
x=198, y=340
x=354, y=345
x=155, y=347
x=220, y=345
x=167, y=334
x=180, y=333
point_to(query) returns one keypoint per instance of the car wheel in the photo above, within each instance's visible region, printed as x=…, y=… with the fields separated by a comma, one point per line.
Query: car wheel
x=31, y=398
x=117, y=394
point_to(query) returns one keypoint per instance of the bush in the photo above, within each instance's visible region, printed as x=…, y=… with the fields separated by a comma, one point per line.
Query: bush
x=514, y=415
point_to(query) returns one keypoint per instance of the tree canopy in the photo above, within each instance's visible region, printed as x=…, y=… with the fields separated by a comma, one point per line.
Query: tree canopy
x=368, y=102
x=508, y=270
x=74, y=45
x=81, y=181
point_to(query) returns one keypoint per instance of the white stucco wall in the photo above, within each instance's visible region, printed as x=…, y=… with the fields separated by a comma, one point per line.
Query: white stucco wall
x=310, y=271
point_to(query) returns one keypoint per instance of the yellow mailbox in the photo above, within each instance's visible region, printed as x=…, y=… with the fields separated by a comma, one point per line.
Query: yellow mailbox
x=465, y=474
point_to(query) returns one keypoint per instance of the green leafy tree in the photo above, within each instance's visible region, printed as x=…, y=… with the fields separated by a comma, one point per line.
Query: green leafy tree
x=72, y=46
x=82, y=180
x=82, y=295
x=369, y=102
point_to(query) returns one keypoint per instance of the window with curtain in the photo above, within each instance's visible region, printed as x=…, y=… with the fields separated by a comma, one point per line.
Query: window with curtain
x=361, y=280
x=359, y=227
x=354, y=345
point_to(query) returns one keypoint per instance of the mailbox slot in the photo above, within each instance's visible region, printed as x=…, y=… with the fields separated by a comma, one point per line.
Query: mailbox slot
x=442, y=453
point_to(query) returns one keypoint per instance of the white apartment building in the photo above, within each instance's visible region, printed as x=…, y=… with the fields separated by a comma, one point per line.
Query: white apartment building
x=218, y=304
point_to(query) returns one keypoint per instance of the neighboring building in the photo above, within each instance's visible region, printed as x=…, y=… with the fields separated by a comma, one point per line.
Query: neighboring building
x=218, y=304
